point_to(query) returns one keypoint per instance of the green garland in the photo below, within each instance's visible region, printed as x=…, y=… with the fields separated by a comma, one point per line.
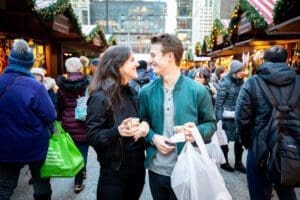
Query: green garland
x=243, y=6
x=112, y=40
x=197, y=49
x=285, y=10
x=98, y=30
x=217, y=29
x=59, y=7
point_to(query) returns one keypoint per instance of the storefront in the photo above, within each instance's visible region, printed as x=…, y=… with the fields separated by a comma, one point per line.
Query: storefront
x=51, y=32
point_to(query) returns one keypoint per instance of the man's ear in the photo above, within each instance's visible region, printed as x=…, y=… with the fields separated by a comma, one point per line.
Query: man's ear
x=171, y=56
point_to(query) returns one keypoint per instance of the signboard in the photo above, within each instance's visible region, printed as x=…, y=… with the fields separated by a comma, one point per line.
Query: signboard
x=61, y=24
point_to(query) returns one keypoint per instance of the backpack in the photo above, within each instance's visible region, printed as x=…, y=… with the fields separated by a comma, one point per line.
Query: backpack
x=280, y=160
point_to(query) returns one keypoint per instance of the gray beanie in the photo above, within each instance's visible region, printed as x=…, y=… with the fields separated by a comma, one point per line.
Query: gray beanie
x=21, y=54
x=235, y=66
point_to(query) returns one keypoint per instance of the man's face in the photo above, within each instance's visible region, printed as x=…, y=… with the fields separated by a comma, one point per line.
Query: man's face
x=240, y=74
x=158, y=60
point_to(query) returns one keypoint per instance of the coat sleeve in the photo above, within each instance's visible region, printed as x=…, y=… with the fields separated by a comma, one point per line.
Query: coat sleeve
x=143, y=114
x=244, y=113
x=99, y=131
x=43, y=106
x=221, y=97
x=206, y=117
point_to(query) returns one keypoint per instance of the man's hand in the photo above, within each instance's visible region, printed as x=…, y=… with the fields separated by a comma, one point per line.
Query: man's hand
x=161, y=143
x=143, y=130
x=187, y=131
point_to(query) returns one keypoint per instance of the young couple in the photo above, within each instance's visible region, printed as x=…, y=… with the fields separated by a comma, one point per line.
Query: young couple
x=120, y=139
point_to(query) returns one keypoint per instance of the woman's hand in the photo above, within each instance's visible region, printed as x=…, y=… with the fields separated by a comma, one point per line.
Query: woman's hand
x=143, y=130
x=128, y=127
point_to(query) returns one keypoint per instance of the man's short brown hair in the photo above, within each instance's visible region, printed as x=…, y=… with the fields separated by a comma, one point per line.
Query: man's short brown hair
x=170, y=43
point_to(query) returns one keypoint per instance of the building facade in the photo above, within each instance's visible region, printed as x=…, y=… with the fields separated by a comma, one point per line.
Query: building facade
x=132, y=22
x=82, y=10
x=195, y=19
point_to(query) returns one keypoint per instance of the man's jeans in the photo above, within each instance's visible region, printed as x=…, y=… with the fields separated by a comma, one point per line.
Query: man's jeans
x=9, y=175
x=160, y=187
x=259, y=187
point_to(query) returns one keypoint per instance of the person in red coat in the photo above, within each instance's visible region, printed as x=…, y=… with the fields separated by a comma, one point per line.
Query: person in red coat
x=72, y=86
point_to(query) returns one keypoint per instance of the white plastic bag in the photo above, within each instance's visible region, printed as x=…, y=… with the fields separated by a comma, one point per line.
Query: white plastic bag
x=195, y=175
x=221, y=135
x=214, y=150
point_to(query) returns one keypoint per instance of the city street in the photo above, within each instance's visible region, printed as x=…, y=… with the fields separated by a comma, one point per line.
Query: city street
x=63, y=187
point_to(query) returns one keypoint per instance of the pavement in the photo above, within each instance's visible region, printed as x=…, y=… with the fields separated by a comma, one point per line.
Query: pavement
x=236, y=183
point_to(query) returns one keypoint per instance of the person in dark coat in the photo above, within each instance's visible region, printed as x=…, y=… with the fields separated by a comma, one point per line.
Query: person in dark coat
x=26, y=111
x=72, y=86
x=143, y=76
x=113, y=127
x=253, y=113
x=227, y=93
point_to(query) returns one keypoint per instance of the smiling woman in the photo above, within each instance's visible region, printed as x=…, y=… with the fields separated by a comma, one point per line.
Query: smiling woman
x=113, y=128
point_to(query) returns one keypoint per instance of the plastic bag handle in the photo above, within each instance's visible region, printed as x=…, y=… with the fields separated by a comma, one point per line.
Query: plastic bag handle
x=200, y=143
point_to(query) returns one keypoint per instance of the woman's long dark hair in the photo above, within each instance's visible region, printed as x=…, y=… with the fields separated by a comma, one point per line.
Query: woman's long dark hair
x=107, y=76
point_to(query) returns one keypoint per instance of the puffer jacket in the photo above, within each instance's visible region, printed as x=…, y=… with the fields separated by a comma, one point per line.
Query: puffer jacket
x=252, y=109
x=71, y=87
x=227, y=93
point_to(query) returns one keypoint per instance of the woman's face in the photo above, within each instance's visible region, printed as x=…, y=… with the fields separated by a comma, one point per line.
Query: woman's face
x=128, y=70
x=199, y=79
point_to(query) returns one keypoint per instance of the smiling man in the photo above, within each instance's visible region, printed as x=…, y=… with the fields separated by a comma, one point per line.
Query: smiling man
x=171, y=100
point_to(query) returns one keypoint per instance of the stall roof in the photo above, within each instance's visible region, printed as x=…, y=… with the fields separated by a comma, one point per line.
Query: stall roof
x=290, y=27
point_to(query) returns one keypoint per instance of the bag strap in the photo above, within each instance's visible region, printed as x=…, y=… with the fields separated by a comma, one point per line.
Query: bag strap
x=266, y=91
x=9, y=85
x=86, y=93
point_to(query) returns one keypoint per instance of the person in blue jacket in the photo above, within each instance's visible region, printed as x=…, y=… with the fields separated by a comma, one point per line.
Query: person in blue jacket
x=26, y=111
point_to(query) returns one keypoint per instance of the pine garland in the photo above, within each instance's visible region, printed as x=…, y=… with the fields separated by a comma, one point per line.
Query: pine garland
x=285, y=10
x=243, y=6
x=217, y=29
x=98, y=30
x=59, y=7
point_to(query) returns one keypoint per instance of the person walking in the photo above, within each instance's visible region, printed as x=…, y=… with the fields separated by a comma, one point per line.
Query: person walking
x=113, y=127
x=253, y=112
x=227, y=93
x=170, y=100
x=26, y=113
x=72, y=86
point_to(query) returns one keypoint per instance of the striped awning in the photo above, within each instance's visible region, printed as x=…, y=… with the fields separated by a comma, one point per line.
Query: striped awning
x=265, y=8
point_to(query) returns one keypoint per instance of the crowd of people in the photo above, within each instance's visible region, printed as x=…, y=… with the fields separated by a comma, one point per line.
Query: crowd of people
x=131, y=114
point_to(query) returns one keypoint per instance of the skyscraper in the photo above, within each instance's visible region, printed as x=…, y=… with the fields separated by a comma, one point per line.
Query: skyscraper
x=195, y=19
x=133, y=22
x=82, y=10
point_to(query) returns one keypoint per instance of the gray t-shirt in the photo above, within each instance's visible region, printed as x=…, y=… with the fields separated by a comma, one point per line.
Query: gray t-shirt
x=164, y=164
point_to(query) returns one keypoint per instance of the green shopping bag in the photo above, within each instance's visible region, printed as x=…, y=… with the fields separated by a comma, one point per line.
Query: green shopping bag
x=63, y=157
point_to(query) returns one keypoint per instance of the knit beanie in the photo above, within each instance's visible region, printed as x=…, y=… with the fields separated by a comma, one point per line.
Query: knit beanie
x=73, y=64
x=235, y=66
x=21, y=54
x=39, y=71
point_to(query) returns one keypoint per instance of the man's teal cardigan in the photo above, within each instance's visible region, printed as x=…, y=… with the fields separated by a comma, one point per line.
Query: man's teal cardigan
x=192, y=103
